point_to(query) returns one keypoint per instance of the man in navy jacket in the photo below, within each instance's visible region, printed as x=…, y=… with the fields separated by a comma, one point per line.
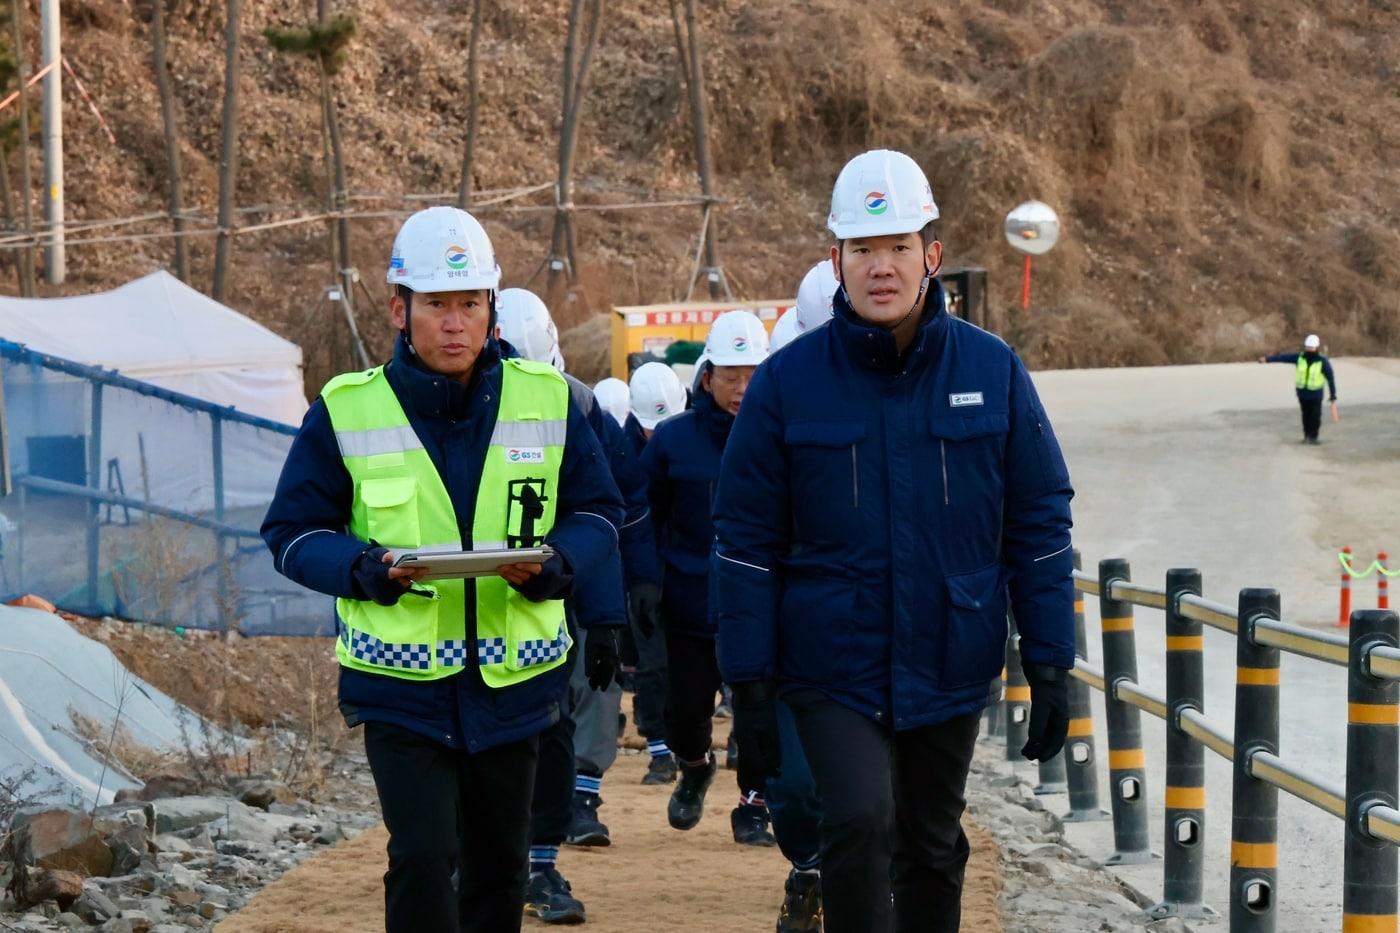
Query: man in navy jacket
x=1312, y=372
x=453, y=759
x=890, y=475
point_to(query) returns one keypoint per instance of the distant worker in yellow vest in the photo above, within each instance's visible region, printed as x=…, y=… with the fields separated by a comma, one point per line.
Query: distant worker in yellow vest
x=1313, y=373
x=447, y=447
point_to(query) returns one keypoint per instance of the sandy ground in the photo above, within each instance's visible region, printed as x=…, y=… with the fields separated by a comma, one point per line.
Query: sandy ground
x=1201, y=466
x=650, y=876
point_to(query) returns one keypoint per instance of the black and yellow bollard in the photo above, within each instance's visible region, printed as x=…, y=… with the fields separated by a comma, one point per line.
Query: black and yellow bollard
x=1184, y=869
x=1254, y=805
x=995, y=714
x=1018, y=697
x=1373, y=742
x=1081, y=768
x=1127, y=762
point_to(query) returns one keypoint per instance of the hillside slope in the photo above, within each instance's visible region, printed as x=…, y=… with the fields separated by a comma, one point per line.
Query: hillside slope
x=1225, y=168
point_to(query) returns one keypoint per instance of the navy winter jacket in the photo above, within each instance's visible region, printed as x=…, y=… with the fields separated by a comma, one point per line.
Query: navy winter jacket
x=1292, y=360
x=872, y=511
x=305, y=529
x=682, y=466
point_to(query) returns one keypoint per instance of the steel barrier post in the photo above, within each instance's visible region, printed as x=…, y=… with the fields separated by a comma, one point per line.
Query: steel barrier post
x=1254, y=804
x=1382, y=582
x=1127, y=762
x=1081, y=769
x=1373, y=742
x=1344, y=609
x=1018, y=696
x=1184, y=849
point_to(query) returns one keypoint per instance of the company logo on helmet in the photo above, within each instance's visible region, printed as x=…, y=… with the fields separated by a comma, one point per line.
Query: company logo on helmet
x=660, y=408
x=876, y=203
x=741, y=344
x=456, y=257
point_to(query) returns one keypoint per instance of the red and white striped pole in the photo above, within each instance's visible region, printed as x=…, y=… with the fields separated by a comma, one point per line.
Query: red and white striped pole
x=1382, y=583
x=1344, y=613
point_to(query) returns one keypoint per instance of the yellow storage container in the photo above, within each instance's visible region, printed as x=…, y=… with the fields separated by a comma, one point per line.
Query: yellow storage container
x=652, y=328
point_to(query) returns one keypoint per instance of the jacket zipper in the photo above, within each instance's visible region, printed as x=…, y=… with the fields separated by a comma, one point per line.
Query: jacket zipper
x=855, y=479
x=943, y=457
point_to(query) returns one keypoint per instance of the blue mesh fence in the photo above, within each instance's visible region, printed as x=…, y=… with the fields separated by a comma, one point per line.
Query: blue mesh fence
x=131, y=500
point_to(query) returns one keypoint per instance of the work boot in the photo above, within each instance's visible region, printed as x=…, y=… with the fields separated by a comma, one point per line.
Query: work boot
x=731, y=754
x=688, y=799
x=548, y=897
x=586, y=829
x=662, y=770
x=802, y=906
x=750, y=825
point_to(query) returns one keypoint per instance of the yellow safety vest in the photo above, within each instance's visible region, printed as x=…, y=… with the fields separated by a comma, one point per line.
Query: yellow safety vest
x=401, y=502
x=1310, y=377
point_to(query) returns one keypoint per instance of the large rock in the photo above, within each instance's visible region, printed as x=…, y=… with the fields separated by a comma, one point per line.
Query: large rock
x=263, y=793
x=173, y=814
x=64, y=887
x=65, y=839
x=94, y=906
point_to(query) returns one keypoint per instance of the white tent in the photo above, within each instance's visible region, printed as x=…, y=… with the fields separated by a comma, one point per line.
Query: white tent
x=159, y=330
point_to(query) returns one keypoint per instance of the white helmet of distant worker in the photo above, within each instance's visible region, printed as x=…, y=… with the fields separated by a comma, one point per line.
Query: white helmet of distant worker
x=657, y=394
x=879, y=193
x=814, y=296
x=1311, y=342
x=443, y=249
x=736, y=338
x=615, y=398
x=785, y=331
x=524, y=321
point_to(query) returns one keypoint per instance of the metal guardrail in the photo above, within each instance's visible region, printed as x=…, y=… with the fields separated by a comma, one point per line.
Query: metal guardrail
x=1368, y=803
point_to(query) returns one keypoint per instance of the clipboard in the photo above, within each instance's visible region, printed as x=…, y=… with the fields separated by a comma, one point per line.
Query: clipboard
x=466, y=565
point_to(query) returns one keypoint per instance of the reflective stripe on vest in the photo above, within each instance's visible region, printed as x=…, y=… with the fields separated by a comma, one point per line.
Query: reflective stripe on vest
x=401, y=502
x=1310, y=377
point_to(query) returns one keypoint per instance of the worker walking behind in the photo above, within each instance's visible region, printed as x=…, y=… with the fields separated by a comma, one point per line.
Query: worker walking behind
x=446, y=448
x=1313, y=372
x=655, y=395
x=889, y=476
x=682, y=463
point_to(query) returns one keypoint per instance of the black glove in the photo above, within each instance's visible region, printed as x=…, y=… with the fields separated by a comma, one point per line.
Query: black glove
x=1049, y=711
x=644, y=603
x=371, y=578
x=600, y=656
x=756, y=726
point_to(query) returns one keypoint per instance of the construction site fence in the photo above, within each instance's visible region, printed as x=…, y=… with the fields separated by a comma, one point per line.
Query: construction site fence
x=1366, y=802
x=131, y=500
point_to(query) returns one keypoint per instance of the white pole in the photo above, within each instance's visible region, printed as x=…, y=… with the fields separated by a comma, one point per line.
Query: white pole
x=53, y=141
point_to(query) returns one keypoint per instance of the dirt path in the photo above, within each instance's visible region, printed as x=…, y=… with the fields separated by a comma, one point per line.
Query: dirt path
x=650, y=871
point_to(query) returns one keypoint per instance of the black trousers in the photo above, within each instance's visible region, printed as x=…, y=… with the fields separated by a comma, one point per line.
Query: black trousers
x=892, y=804
x=649, y=701
x=1312, y=416
x=552, y=810
x=692, y=673
x=448, y=811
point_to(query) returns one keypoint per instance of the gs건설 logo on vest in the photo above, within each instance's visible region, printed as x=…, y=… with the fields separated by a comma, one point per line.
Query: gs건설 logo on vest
x=525, y=454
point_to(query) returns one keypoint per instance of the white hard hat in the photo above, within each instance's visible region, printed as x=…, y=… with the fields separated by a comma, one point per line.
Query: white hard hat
x=525, y=322
x=1312, y=342
x=443, y=249
x=814, y=296
x=736, y=338
x=878, y=193
x=657, y=394
x=615, y=398
x=786, y=330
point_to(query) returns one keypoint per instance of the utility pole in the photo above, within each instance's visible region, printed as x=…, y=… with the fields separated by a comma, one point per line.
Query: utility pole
x=53, y=141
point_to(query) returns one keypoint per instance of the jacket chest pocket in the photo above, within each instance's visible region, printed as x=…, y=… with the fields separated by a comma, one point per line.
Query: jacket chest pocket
x=968, y=453
x=391, y=511
x=825, y=482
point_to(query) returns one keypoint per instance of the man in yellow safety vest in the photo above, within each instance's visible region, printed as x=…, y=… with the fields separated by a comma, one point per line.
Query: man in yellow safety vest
x=1313, y=371
x=448, y=447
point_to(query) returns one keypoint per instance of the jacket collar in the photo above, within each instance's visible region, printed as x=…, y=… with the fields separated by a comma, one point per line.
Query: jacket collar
x=716, y=421
x=431, y=395
x=874, y=347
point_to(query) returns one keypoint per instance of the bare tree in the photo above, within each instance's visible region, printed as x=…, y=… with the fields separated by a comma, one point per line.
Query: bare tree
x=172, y=143
x=464, y=189
x=326, y=41
x=562, y=252
x=693, y=72
x=228, y=152
x=26, y=200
